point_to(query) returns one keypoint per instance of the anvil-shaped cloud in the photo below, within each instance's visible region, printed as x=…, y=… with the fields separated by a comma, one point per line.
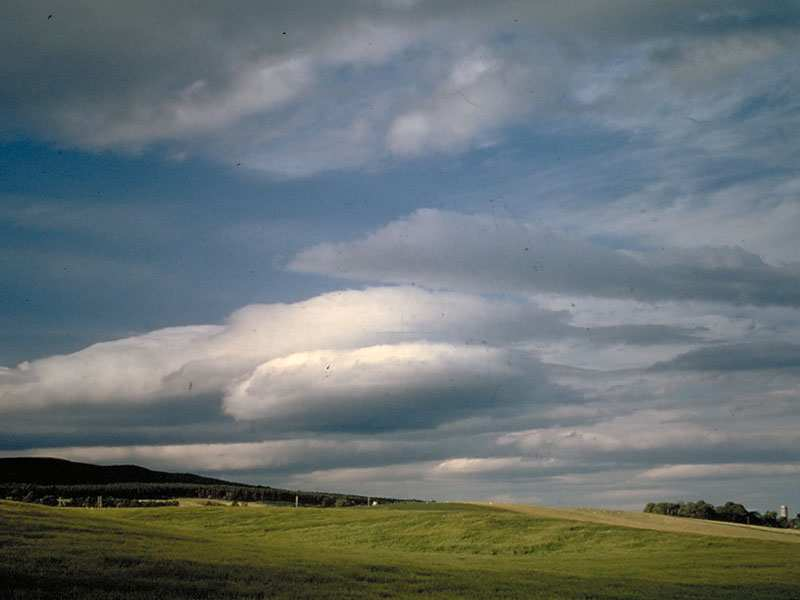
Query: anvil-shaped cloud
x=381, y=357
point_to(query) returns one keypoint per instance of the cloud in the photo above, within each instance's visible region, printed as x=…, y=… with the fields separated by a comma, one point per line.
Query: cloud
x=654, y=436
x=341, y=478
x=481, y=93
x=679, y=210
x=211, y=457
x=390, y=350
x=127, y=370
x=654, y=139
x=484, y=253
x=196, y=110
x=503, y=467
x=382, y=357
x=737, y=357
x=388, y=386
x=643, y=335
x=234, y=86
x=246, y=83
x=721, y=471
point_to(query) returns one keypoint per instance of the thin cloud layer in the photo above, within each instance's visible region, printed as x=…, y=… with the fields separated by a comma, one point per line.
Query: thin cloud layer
x=737, y=357
x=255, y=82
x=485, y=253
x=721, y=471
x=653, y=435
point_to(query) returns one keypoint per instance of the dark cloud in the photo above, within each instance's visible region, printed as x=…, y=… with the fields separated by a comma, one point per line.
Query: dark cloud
x=737, y=357
x=642, y=335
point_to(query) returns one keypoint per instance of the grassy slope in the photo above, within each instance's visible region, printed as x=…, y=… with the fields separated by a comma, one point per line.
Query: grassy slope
x=441, y=551
x=658, y=522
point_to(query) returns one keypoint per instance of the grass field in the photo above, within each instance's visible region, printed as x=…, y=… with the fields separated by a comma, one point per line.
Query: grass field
x=401, y=551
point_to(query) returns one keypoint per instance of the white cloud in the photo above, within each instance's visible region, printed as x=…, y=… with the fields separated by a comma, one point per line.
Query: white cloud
x=128, y=370
x=358, y=387
x=479, y=95
x=496, y=466
x=381, y=343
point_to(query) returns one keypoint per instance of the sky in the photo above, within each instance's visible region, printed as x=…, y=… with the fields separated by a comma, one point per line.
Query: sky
x=517, y=251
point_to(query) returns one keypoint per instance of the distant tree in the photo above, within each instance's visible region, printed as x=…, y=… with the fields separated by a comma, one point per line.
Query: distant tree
x=770, y=518
x=697, y=510
x=664, y=508
x=732, y=512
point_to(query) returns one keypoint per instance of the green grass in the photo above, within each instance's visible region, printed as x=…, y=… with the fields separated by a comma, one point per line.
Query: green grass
x=422, y=550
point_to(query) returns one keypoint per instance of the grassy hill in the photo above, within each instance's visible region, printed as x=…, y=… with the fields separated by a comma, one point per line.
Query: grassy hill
x=657, y=522
x=396, y=551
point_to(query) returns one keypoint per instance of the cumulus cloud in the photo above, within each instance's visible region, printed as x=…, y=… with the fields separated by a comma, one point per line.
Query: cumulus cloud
x=481, y=252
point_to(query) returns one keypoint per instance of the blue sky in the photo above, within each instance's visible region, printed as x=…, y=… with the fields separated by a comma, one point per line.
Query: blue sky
x=524, y=252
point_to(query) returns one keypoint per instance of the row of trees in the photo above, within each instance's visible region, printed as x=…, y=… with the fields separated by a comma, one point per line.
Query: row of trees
x=92, y=501
x=732, y=512
x=116, y=494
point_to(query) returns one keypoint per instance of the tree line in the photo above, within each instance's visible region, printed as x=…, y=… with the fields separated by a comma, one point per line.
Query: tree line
x=731, y=512
x=154, y=494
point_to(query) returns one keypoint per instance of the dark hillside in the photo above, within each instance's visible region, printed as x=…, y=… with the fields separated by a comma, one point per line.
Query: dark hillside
x=57, y=471
x=45, y=480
